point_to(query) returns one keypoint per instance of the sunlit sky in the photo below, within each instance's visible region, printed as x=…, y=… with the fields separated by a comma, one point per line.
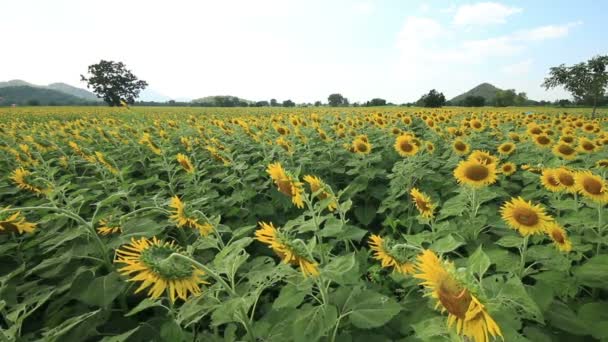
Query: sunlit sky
x=303, y=50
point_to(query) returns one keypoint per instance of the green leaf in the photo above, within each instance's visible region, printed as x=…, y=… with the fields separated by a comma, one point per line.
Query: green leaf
x=103, y=290
x=291, y=296
x=365, y=213
x=332, y=228
x=562, y=317
x=594, y=272
x=446, y=244
x=515, y=291
x=454, y=206
x=342, y=269
x=171, y=331
x=143, y=305
x=431, y=327
x=371, y=309
x=352, y=233
x=311, y=323
x=56, y=332
x=510, y=241
x=479, y=262
x=596, y=316
x=120, y=338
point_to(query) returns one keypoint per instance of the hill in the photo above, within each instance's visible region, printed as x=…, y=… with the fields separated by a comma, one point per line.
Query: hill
x=74, y=91
x=27, y=95
x=221, y=101
x=485, y=90
x=60, y=87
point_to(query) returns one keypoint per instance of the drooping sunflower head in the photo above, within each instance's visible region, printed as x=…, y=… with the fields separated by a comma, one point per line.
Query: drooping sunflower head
x=185, y=162
x=423, y=203
x=559, y=237
x=287, y=184
x=405, y=146
x=475, y=173
x=22, y=178
x=506, y=148
x=591, y=186
x=14, y=222
x=602, y=164
x=526, y=218
x=148, y=261
x=317, y=185
x=508, y=168
x=291, y=251
x=109, y=226
x=183, y=217
x=391, y=254
x=550, y=180
x=460, y=147
x=465, y=311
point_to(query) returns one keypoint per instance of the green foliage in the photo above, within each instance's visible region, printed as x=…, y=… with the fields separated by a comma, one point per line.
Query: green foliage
x=113, y=82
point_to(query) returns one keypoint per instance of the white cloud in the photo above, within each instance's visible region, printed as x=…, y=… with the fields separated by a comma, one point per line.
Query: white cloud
x=424, y=7
x=483, y=13
x=547, y=32
x=519, y=68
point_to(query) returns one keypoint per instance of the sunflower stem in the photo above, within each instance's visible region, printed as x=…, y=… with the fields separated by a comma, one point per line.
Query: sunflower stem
x=522, y=252
x=207, y=270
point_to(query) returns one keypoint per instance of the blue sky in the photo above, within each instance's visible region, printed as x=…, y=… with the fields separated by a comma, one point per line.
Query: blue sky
x=304, y=50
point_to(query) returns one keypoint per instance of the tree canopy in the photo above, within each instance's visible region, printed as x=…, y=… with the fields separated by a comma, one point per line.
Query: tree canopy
x=586, y=81
x=336, y=100
x=113, y=82
x=433, y=99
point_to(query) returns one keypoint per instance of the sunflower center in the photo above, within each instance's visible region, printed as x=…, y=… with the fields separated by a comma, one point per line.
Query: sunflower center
x=565, y=179
x=422, y=204
x=566, y=150
x=525, y=216
x=156, y=258
x=460, y=146
x=507, y=168
x=285, y=186
x=477, y=172
x=361, y=146
x=543, y=140
x=406, y=146
x=506, y=148
x=592, y=186
x=558, y=236
x=553, y=181
x=587, y=146
x=454, y=298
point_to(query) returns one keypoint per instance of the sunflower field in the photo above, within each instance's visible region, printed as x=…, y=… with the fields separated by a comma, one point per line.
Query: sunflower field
x=304, y=224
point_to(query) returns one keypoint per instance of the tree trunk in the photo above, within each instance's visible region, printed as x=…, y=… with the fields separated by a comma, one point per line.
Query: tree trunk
x=594, y=107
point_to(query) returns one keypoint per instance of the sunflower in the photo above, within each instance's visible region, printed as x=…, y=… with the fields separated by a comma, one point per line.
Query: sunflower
x=430, y=147
x=147, y=262
x=405, y=146
x=107, y=228
x=542, y=140
x=586, y=146
x=361, y=146
x=475, y=173
x=423, y=203
x=476, y=125
x=564, y=150
x=316, y=184
x=591, y=186
x=182, y=218
x=15, y=223
x=465, y=311
x=508, y=168
x=290, y=251
x=185, y=162
x=602, y=163
x=506, y=148
x=566, y=179
x=483, y=156
x=559, y=237
x=147, y=140
x=390, y=255
x=19, y=176
x=286, y=183
x=460, y=147
x=526, y=218
x=550, y=180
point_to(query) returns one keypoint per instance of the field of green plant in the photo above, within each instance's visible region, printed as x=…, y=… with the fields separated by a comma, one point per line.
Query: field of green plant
x=304, y=224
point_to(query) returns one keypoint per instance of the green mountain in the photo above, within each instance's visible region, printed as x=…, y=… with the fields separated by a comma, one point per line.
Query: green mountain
x=74, y=91
x=60, y=87
x=485, y=90
x=27, y=95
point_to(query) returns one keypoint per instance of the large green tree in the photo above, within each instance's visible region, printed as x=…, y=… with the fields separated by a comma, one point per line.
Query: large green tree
x=113, y=82
x=433, y=99
x=586, y=81
x=336, y=100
